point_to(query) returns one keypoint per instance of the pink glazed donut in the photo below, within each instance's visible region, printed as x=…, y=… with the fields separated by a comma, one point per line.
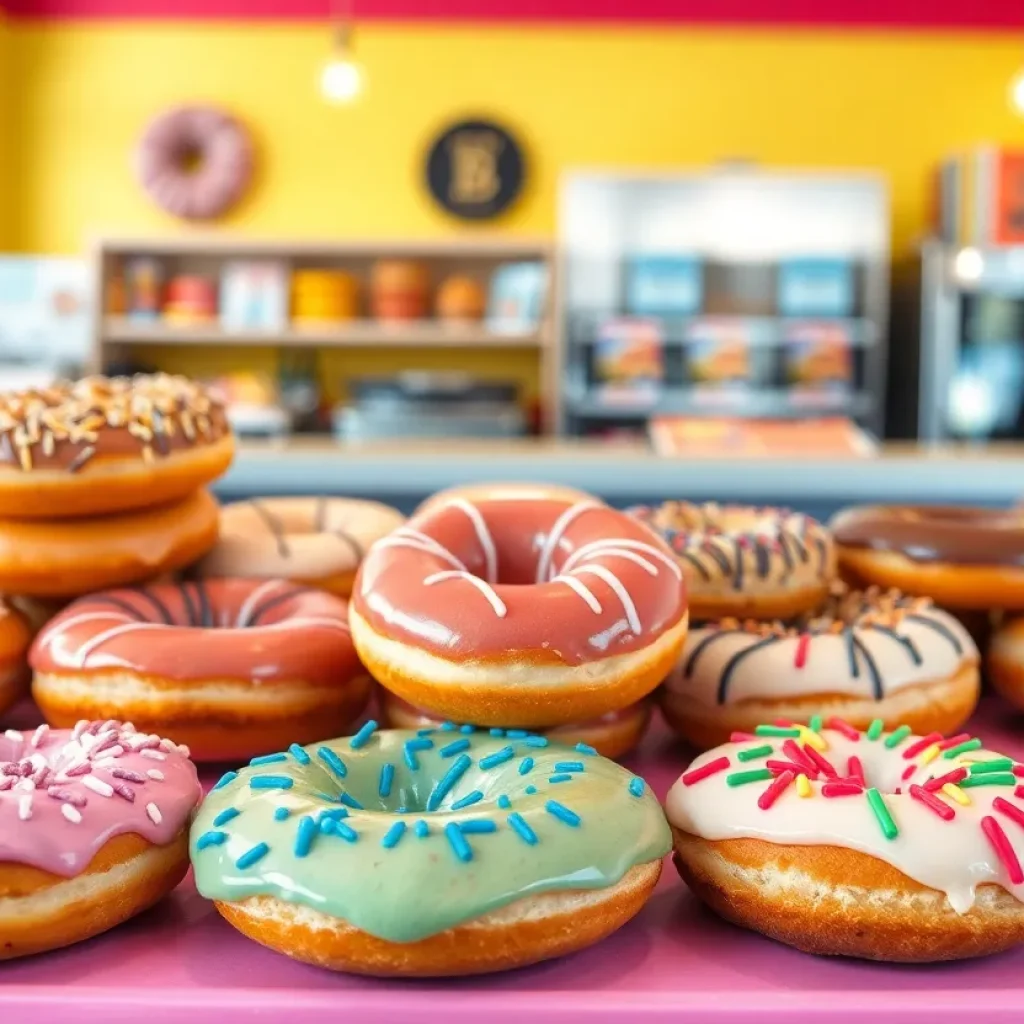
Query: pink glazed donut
x=93, y=829
x=195, y=162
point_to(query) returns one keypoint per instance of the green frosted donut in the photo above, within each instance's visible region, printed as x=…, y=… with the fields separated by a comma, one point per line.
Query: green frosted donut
x=406, y=834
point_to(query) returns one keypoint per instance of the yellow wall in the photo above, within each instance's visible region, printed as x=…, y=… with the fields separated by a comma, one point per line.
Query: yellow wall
x=578, y=97
x=6, y=125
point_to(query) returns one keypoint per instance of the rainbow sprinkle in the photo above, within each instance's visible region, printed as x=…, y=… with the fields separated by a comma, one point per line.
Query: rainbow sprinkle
x=755, y=752
x=882, y=815
x=744, y=778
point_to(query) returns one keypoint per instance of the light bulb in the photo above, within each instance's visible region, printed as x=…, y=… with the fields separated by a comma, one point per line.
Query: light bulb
x=1017, y=92
x=969, y=265
x=341, y=80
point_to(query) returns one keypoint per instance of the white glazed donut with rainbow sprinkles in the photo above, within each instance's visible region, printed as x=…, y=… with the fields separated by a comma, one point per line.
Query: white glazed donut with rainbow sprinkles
x=874, y=844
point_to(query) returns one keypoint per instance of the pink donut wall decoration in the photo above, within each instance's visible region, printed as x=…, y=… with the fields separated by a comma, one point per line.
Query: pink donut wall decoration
x=195, y=162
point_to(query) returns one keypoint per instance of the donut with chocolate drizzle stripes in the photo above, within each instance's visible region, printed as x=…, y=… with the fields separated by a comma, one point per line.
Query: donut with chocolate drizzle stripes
x=876, y=844
x=107, y=445
x=967, y=559
x=612, y=735
x=762, y=563
x=867, y=655
x=318, y=542
x=95, y=830
x=230, y=667
x=15, y=637
x=519, y=612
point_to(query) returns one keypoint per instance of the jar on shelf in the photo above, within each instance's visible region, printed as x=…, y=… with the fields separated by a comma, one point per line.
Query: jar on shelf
x=399, y=290
x=460, y=299
x=322, y=296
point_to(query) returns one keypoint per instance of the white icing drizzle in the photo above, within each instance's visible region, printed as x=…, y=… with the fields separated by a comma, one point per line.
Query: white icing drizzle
x=422, y=542
x=484, y=587
x=583, y=590
x=46, y=640
x=250, y=603
x=483, y=535
x=953, y=857
x=614, y=545
x=620, y=592
x=93, y=644
x=613, y=552
x=551, y=542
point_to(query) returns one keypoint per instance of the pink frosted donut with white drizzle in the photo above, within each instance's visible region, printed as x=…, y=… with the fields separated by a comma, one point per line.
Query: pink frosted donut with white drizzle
x=233, y=668
x=94, y=830
x=519, y=612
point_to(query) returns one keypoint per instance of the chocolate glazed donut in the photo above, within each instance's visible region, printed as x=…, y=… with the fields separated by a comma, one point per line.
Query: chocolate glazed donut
x=968, y=559
x=195, y=162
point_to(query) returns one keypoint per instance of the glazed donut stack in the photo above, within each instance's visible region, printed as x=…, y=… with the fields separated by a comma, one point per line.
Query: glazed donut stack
x=524, y=607
x=780, y=638
x=101, y=485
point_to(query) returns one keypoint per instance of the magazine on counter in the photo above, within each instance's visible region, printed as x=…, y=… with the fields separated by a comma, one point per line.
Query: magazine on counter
x=714, y=437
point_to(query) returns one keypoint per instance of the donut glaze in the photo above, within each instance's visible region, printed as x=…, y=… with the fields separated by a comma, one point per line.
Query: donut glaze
x=434, y=828
x=15, y=637
x=740, y=560
x=945, y=814
x=566, y=583
x=318, y=541
x=64, y=793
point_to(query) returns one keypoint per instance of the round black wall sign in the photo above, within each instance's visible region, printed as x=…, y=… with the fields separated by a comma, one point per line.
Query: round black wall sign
x=475, y=170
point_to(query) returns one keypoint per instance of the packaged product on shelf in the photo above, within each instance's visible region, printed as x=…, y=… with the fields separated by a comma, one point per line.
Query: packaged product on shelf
x=819, y=359
x=254, y=296
x=629, y=359
x=664, y=285
x=518, y=297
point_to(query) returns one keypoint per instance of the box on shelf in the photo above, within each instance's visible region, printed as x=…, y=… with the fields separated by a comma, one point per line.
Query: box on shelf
x=629, y=360
x=812, y=286
x=980, y=199
x=518, y=297
x=819, y=357
x=254, y=296
x=663, y=285
x=718, y=353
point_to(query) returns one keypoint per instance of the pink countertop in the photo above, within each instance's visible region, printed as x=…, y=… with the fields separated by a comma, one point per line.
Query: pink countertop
x=675, y=961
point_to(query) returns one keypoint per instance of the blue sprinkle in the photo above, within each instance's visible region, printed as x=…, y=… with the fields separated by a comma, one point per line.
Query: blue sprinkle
x=424, y=732
x=467, y=728
x=478, y=826
x=333, y=827
x=270, y=782
x=636, y=786
x=497, y=733
x=518, y=825
x=304, y=836
x=210, y=839
x=526, y=765
x=331, y=759
x=562, y=813
x=498, y=757
x=536, y=741
x=281, y=813
x=402, y=810
x=387, y=776
x=468, y=800
x=458, y=843
x=335, y=812
x=421, y=828
x=530, y=790
x=516, y=734
x=447, y=727
x=447, y=782
x=250, y=857
x=410, y=758
x=419, y=744
x=561, y=778
x=569, y=766
x=299, y=754
x=585, y=748
x=454, y=748
x=393, y=834
x=503, y=802
x=351, y=801
x=225, y=779
x=225, y=816
x=268, y=759
x=362, y=737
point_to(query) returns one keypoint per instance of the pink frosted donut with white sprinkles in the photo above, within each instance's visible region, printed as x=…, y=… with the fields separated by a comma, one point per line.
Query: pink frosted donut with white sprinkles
x=93, y=830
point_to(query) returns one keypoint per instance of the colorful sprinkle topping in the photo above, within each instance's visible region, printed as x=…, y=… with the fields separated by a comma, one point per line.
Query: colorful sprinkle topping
x=755, y=752
x=882, y=815
x=362, y=737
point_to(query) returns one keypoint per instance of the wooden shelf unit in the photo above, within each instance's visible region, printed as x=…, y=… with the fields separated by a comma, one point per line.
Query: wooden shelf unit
x=474, y=257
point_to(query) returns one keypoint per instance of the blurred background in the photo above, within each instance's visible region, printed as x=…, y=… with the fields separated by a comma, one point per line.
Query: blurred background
x=747, y=250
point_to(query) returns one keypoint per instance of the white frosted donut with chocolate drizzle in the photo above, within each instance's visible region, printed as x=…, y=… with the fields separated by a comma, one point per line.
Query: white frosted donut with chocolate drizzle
x=232, y=668
x=762, y=563
x=519, y=612
x=867, y=655
x=876, y=844
x=316, y=541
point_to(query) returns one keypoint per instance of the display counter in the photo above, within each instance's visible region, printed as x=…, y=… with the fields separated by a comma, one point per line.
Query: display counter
x=622, y=473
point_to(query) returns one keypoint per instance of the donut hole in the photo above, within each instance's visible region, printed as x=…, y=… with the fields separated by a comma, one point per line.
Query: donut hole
x=189, y=157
